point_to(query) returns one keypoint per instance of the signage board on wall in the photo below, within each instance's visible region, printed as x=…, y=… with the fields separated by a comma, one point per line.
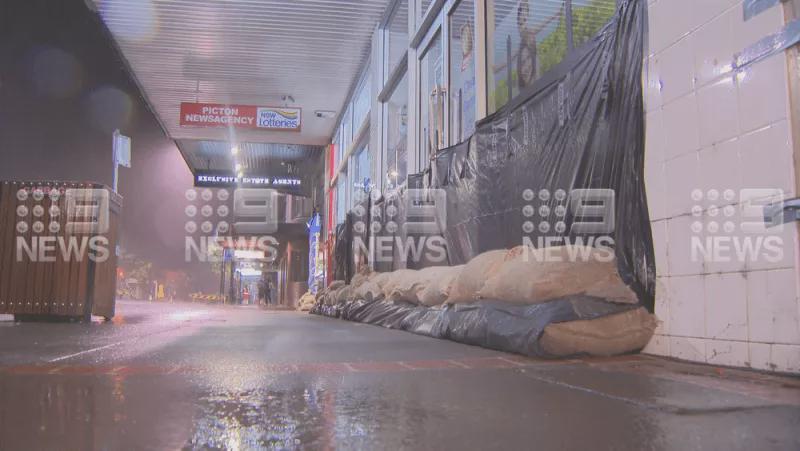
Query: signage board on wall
x=240, y=116
x=216, y=179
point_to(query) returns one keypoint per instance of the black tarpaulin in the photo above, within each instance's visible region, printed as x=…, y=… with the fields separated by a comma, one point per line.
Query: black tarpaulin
x=580, y=127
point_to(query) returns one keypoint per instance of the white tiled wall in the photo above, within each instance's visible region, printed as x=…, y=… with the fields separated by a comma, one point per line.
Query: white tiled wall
x=711, y=128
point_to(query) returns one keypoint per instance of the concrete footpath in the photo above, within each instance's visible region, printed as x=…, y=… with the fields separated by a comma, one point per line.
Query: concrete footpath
x=182, y=375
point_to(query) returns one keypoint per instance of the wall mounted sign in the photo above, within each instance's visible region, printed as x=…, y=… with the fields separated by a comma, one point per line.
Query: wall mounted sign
x=240, y=116
x=213, y=179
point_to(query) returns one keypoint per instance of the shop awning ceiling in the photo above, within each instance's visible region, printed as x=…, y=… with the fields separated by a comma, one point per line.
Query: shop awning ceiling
x=256, y=157
x=244, y=52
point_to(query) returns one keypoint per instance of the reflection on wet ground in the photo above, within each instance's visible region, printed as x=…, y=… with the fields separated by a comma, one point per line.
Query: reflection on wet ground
x=286, y=381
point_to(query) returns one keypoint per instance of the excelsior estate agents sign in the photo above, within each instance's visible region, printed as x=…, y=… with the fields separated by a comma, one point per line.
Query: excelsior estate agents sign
x=240, y=116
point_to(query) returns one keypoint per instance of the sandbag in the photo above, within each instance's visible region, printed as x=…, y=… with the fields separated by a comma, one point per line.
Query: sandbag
x=344, y=294
x=556, y=273
x=473, y=276
x=368, y=291
x=438, y=289
x=380, y=278
x=393, y=279
x=306, y=302
x=616, y=334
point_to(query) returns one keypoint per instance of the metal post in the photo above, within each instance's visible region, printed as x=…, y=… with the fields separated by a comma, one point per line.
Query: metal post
x=568, y=23
x=114, y=159
x=508, y=67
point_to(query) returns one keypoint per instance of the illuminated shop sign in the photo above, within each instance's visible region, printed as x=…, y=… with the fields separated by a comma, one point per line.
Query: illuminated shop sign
x=223, y=180
x=240, y=116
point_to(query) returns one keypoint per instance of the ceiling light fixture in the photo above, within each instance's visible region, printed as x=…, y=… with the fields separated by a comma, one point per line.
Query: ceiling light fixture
x=234, y=150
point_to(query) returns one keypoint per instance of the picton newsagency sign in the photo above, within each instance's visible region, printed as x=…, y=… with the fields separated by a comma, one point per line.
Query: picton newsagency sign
x=216, y=180
x=240, y=116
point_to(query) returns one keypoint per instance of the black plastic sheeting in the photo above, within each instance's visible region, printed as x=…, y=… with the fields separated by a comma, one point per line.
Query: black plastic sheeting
x=492, y=324
x=579, y=127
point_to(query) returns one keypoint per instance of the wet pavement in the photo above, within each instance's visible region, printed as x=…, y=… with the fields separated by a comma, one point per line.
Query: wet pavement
x=167, y=376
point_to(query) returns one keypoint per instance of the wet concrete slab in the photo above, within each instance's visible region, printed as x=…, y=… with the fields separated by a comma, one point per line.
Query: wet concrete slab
x=200, y=377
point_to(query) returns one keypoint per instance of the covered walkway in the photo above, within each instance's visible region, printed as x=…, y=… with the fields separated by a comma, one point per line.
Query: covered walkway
x=168, y=376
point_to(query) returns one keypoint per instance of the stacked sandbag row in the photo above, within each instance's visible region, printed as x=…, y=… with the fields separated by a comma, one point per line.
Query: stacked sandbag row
x=578, y=305
x=306, y=302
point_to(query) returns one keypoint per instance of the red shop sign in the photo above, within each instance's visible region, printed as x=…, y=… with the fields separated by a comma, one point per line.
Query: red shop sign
x=240, y=116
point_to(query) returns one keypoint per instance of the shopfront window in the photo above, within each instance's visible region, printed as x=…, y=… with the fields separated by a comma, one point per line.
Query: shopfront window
x=359, y=170
x=361, y=103
x=397, y=133
x=432, y=100
x=589, y=16
x=337, y=153
x=397, y=35
x=424, y=5
x=347, y=130
x=526, y=38
x=463, y=104
x=341, y=198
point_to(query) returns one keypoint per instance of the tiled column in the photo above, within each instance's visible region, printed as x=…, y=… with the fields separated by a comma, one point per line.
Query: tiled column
x=711, y=133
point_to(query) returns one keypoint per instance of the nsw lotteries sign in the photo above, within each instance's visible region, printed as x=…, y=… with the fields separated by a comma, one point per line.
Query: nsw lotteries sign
x=240, y=116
